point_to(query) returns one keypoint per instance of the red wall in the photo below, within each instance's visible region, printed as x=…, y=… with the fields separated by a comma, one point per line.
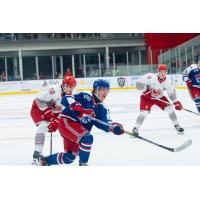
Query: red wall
x=156, y=41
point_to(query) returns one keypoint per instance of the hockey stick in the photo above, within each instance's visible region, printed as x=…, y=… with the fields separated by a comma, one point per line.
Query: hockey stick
x=176, y=149
x=51, y=144
x=196, y=86
x=168, y=103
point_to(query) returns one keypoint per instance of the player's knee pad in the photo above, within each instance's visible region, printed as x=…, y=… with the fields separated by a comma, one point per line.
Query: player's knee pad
x=86, y=142
x=42, y=127
x=65, y=158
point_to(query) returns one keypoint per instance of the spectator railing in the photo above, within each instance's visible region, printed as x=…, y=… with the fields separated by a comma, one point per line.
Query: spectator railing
x=66, y=36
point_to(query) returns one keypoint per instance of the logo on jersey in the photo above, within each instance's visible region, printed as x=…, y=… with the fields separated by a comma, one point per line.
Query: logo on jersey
x=197, y=76
x=121, y=81
x=87, y=97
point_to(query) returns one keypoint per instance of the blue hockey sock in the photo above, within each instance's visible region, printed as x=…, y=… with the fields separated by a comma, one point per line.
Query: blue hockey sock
x=60, y=158
x=85, y=147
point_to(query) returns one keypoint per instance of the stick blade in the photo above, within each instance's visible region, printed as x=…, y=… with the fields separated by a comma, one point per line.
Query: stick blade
x=183, y=146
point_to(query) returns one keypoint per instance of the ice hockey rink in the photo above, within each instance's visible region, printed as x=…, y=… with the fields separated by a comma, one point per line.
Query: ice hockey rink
x=17, y=133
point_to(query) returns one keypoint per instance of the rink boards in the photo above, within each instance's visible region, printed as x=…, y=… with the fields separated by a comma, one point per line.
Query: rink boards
x=116, y=83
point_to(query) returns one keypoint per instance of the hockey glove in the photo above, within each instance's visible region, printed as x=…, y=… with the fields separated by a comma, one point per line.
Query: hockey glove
x=76, y=106
x=85, y=119
x=48, y=115
x=89, y=112
x=53, y=125
x=147, y=94
x=117, y=129
x=178, y=105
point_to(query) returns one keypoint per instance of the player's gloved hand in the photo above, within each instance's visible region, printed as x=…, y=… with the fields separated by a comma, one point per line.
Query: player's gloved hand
x=117, y=129
x=53, y=125
x=147, y=94
x=48, y=115
x=178, y=105
x=85, y=119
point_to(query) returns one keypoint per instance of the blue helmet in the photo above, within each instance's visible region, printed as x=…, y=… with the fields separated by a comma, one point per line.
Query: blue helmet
x=100, y=83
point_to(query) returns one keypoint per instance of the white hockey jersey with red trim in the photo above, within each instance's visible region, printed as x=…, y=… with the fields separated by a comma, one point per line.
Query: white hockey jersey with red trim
x=51, y=98
x=157, y=86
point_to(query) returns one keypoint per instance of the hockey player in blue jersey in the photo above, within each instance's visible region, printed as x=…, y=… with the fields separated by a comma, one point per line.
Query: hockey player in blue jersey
x=191, y=75
x=75, y=124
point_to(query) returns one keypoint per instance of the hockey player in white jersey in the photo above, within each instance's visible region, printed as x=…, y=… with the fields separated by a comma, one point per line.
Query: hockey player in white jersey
x=153, y=87
x=44, y=112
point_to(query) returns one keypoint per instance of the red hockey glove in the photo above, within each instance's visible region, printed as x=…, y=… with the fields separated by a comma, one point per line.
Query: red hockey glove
x=178, y=105
x=48, y=115
x=117, y=129
x=147, y=94
x=53, y=125
x=89, y=112
x=76, y=106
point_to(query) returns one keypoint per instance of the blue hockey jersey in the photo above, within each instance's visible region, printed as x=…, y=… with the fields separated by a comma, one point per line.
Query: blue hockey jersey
x=192, y=73
x=86, y=100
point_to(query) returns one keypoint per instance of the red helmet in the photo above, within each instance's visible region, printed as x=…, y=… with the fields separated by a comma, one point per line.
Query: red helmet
x=162, y=67
x=69, y=81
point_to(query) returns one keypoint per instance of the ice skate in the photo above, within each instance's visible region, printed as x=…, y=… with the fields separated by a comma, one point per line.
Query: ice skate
x=82, y=163
x=36, y=158
x=179, y=129
x=35, y=161
x=42, y=161
x=135, y=132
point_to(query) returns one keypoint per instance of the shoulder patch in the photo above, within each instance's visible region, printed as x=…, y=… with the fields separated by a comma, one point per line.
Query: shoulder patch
x=87, y=96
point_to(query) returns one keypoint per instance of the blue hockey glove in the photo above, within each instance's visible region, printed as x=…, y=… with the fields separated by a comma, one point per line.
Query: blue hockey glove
x=117, y=129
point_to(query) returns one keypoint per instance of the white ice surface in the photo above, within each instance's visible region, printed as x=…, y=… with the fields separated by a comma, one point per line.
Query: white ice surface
x=17, y=133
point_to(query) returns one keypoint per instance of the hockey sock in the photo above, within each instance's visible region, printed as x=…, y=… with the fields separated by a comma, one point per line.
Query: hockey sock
x=39, y=141
x=172, y=115
x=197, y=103
x=85, y=147
x=60, y=158
x=141, y=118
x=40, y=136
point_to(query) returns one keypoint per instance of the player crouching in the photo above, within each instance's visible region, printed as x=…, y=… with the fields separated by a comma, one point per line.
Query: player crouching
x=152, y=87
